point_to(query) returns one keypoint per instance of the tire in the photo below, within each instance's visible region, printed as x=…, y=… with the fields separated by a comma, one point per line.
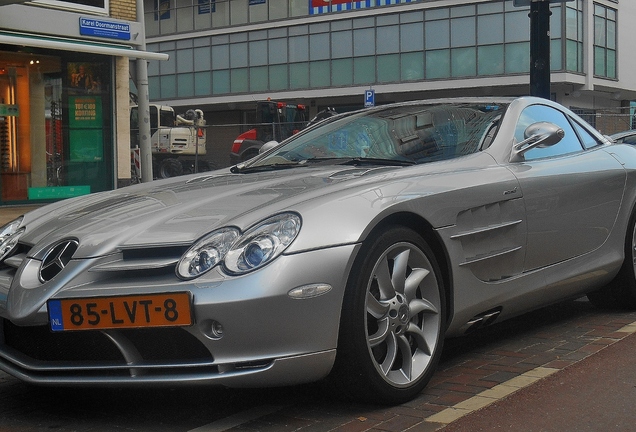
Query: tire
x=203, y=166
x=156, y=169
x=170, y=167
x=188, y=167
x=392, y=323
x=621, y=292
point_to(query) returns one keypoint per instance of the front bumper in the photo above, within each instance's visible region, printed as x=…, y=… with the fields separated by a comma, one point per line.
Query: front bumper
x=268, y=337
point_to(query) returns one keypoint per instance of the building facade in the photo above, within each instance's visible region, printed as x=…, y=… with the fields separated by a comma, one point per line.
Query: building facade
x=224, y=54
x=64, y=96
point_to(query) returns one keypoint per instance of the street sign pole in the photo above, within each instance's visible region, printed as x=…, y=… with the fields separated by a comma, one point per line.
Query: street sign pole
x=540, y=49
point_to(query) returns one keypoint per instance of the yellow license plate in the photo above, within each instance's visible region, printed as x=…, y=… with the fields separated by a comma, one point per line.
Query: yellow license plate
x=134, y=311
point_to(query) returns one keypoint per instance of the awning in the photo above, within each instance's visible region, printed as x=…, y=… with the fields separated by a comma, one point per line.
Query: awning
x=65, y=44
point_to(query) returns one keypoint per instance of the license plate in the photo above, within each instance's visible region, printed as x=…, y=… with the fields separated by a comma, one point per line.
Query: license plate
x=135, y=311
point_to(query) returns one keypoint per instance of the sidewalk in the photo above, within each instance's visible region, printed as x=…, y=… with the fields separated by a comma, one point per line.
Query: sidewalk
x=592, y=395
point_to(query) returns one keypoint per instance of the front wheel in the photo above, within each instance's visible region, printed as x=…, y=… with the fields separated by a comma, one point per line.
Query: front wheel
x=392, y=324
x=621, y=292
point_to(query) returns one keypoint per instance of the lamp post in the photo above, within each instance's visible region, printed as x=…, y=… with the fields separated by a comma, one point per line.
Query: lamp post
x=539, y=44
x=540, y=49
x=143, y=105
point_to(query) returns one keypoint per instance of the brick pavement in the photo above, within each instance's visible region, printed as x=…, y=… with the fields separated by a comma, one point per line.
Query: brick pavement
x=475, y=371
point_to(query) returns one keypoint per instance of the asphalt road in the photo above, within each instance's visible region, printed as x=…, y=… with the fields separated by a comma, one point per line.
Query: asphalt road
x=562, y=368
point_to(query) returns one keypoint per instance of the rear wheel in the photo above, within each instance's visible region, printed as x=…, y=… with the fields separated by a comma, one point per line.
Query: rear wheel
x=391, y=329
x=203, y=166
x=621, y=292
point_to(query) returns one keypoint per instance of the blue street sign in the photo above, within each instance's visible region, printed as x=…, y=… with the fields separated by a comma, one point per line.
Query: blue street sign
x=369, y=98
x=105, y=29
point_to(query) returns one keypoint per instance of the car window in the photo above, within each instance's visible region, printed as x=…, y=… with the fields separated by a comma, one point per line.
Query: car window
x=631, y=139
x=410, y=133
x=587, y=138
x=542, y=113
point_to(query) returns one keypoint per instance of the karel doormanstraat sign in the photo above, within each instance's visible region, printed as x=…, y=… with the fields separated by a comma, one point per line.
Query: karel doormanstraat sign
x=105, y=29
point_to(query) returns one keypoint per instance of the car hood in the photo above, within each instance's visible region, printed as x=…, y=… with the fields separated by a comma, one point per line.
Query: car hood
x=178, y=211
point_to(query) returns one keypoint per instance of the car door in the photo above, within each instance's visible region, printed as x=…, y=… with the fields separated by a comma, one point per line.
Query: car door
x=572, y=190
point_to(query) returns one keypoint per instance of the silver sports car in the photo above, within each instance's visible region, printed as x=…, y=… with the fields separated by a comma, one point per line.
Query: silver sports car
x=349, y=251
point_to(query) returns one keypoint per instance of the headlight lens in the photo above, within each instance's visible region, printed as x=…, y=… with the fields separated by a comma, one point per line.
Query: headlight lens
x=240, y=253
x=262, y=243
x=206, y=253
x=9, y=236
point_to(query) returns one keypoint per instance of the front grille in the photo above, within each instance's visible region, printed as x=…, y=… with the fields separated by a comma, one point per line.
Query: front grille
x=163, y=345
x=40, y=343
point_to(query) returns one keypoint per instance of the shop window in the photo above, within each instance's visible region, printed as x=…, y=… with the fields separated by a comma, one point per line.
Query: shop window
x=278, y=77
x=259, y=79
x=388, y=68
x=412, y=66
x=364, y=70
x=437, y=64
x=55, y=125
x=319, y=75
x=490, y=60
x=221, y=82
x=299, y=75
x=342, y=72
x=239, y=80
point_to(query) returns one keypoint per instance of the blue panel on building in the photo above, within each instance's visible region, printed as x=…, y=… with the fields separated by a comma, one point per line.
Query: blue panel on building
x=105, y=29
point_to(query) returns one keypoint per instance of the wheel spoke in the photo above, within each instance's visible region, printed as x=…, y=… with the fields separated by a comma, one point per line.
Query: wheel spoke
x=413, y=282
x=375, y=307
x=391, y=354
x=400, y=264
x=422, y=305
x=383, y=278
x=419, y=337
x=407, y=357
x=382, y=333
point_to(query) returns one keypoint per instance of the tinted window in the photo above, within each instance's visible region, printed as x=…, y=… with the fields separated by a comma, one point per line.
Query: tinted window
x=409, y=133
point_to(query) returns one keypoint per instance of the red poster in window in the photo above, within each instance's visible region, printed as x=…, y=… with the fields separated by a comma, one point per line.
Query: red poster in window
x=320, y=3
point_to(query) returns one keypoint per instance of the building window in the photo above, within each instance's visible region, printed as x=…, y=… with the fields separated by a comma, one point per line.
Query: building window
x=458, y=42
x=604, y=41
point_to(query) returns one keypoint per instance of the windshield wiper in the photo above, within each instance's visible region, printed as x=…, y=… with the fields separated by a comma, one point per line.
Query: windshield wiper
x=357, y=161
x=361, y=161
x=243, y=169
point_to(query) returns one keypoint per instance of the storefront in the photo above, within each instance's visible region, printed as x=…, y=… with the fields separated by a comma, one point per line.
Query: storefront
x=55, y=124
x=64, y=97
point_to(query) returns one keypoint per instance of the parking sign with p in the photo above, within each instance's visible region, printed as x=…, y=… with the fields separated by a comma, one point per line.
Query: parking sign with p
x=369, y=98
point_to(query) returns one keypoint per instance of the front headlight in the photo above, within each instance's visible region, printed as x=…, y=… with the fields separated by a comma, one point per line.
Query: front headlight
x=206, y=253
x=9, y=236
x=240, y=253
x=262, y=243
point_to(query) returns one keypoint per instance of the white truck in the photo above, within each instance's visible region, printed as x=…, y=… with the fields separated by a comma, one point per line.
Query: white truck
x=177, y=140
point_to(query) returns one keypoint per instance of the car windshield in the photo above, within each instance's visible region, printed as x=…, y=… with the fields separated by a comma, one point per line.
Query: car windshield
x=401, y=135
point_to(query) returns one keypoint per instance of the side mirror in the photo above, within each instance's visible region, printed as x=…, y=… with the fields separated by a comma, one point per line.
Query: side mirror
x=268, y=146
x=540, y=134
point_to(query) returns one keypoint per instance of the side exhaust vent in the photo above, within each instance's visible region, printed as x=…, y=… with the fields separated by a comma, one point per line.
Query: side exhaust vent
x=482, y=320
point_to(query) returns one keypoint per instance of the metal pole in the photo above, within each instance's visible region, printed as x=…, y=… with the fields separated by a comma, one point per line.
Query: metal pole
x=143, y=104
x=540, y=48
